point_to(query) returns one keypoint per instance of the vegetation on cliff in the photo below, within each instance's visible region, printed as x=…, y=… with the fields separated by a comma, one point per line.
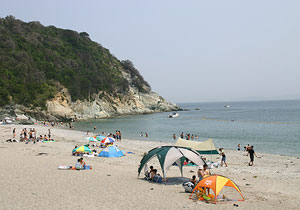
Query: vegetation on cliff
x=35, y=60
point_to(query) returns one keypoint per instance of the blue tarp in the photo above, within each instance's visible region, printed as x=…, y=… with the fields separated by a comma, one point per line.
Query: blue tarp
x=111, y=151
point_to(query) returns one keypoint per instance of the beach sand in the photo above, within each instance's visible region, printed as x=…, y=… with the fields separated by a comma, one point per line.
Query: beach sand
x=32, y=181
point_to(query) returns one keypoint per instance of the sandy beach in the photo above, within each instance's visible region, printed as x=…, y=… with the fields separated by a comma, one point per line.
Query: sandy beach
x=30, y=179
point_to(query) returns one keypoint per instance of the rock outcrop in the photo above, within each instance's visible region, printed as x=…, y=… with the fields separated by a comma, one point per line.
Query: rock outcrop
x=105, y=105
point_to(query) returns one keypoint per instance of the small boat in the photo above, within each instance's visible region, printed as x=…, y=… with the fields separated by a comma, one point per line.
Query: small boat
x=227, y=106
x=173, y=115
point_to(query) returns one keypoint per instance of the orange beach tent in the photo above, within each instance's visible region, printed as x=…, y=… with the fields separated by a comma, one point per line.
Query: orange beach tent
x=216, y=184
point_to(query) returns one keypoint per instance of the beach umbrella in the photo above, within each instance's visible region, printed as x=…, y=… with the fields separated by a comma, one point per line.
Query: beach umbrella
x=100, y=138
x=82, y=149
x=91, y=139
x=108, y=140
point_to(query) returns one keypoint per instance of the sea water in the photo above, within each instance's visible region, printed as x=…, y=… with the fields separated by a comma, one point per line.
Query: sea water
x=271, y=126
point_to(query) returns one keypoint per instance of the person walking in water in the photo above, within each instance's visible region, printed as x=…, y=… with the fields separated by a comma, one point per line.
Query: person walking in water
x=181, y=135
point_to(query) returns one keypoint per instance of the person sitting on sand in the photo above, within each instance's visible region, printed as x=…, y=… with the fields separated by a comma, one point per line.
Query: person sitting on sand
x=151, y=169
x=78, y=165
x=82, y=162
x=193, y=180
x=153, y=174
x=155, y=177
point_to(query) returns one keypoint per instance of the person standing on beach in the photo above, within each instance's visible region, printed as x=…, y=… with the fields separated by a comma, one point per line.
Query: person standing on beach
x=203, y=172
x=238, y=147
x=174, y=136
x=14, y=133
x=49, y=133
x=251, y=153
x=223, y=160
x=95, y=127
x=120, y=135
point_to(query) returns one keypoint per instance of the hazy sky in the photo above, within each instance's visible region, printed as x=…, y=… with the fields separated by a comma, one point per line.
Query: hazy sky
x=190, y=50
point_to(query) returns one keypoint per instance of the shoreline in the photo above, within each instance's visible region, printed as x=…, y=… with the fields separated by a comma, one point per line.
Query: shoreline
x=161, y=143
x=32, y=181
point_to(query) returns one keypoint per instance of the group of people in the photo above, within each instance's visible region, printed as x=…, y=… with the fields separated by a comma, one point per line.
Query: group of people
x=187, y=136
x=52, y=124
x=30, y=135
x=145, y=135
x=250, y=152
x=153, y=176
x=117, y=135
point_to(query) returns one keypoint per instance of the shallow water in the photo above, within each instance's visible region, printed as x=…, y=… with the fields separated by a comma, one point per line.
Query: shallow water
x=271, y=126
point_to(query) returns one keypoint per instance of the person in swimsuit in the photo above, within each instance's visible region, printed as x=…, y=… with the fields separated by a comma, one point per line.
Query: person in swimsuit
x=193, y=180
x=203, y=172
x=223, y=160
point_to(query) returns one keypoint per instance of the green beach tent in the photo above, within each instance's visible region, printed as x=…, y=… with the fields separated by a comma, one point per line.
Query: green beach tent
x=167, y=155
x=205, y=148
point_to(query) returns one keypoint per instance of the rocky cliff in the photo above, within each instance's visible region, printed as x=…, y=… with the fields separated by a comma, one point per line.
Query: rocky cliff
x=104, y=105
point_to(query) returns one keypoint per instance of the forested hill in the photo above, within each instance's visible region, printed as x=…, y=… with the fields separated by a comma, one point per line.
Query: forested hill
x=35, y=61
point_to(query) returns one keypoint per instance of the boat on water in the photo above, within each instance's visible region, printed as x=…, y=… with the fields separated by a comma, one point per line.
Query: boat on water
x=173, y=115
x=227, y=106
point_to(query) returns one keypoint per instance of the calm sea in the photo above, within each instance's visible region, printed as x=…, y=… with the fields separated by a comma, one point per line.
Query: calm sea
x=271, y=126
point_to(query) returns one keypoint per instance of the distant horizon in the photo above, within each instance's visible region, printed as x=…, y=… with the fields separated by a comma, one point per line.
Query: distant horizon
x=266, y=100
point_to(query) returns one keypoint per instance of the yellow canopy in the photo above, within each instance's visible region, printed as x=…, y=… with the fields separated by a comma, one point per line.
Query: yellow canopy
x=206, y=147
x=216, y=183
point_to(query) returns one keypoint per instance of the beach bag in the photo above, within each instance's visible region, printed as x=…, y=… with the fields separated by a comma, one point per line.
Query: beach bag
x=188, y=186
